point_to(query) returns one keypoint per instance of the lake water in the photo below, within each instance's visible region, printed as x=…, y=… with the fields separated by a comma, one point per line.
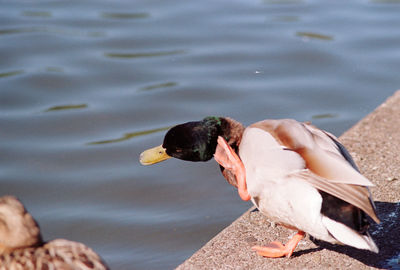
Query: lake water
x=85, y=86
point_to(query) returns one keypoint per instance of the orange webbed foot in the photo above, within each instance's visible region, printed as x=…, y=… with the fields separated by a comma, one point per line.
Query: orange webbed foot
x=228, y=159
x=277, y=249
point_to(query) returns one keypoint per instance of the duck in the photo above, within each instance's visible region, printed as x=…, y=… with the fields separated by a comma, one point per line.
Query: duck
x=297, y=175
x=22, y=246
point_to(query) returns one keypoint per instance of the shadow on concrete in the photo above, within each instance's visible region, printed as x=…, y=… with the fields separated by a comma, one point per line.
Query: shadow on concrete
x=386, y=236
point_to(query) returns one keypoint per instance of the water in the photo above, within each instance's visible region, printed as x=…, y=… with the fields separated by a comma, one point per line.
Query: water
x=85, y=86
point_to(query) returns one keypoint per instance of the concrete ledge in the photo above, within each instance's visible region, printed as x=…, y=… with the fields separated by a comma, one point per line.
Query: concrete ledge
x=374, y=143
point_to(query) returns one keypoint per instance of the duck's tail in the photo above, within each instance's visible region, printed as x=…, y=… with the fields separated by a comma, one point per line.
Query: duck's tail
x=348, y=236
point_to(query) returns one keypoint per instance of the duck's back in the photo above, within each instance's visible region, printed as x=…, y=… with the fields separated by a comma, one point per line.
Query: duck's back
x=262, y=154
x=57, y=254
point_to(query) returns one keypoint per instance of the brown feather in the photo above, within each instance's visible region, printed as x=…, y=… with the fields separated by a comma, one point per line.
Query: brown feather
x=234, y=129
x=21, y=245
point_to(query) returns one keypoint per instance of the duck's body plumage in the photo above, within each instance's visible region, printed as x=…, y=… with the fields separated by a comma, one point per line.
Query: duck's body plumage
x=56, y=254
x=284, y=186
x=21, y=245
x=296, y=174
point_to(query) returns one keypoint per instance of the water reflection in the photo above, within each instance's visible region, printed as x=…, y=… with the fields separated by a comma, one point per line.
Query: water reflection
x=325, y=115
x=139, y=55
x=124, y=16
x=42, y=14
x=131, y=135
x=66, y=107
x=54, y=69
x=19, y=30
x=283, y=1
x=11, y=73
x=386, y=1
x=160, y=85
x=51, y=30
x=286, y=18
x=312, y=35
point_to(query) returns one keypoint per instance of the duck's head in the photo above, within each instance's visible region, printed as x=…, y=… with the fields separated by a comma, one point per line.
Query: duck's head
x=195, y=141
x=18, y=229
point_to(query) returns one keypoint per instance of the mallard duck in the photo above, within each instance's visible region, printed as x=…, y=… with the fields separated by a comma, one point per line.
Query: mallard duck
x=22, y=247
x=297, y=175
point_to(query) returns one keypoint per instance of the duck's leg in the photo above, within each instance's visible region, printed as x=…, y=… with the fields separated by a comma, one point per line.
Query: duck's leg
x=277, y=249
x=228, y=159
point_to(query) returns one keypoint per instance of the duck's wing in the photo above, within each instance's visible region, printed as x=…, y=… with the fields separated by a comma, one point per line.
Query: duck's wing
x=56, y=254
x=356, y=195
x=67, y=254
x=324, y=139
x=329, y=167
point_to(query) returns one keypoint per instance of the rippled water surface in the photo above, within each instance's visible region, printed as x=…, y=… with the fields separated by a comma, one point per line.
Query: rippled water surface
x=85, y=86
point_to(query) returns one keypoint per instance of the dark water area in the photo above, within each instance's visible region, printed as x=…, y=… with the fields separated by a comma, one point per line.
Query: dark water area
x=86, y=86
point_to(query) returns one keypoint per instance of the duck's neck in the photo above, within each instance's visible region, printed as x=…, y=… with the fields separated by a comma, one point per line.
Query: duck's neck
x=232, y=131
x=228, y=128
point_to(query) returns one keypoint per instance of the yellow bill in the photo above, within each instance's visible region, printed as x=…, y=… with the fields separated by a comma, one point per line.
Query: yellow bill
x=153, y=155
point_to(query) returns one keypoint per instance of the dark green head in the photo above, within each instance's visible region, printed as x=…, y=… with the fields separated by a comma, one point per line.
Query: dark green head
x=195, y=141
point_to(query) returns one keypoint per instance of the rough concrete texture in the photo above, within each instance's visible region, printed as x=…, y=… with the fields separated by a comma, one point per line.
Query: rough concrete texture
x=374, y=143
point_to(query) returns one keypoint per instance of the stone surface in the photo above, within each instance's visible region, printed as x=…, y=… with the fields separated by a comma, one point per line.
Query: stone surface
x=374, y=143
